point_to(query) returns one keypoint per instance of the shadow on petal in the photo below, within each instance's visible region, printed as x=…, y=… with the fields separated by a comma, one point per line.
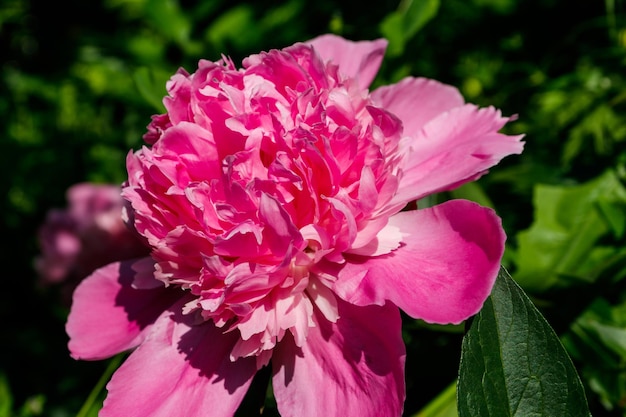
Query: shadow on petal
x=352, y=367
x=207, y=349
x=142, y=306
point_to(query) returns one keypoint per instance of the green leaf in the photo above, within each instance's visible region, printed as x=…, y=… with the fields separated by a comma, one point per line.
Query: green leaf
x=613, y=212
x=151, y=86
x=570, y=221
x=168, y=17
x=6, y=399
x=33, y=406
x=401, y=25
x=597, y=340
x=513, y=364
x=601, y=126
x=237, y=26
x=472, y=191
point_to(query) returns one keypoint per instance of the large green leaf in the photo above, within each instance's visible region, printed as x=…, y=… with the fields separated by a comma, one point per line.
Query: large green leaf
x=513, y=364
x=563, y=242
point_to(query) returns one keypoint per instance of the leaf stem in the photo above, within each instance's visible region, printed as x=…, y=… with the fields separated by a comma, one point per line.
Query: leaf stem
x=442, y=405
x=95, y=392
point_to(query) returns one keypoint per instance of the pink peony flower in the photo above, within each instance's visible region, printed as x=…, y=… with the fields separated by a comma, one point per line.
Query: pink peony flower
x=272, y=199
x=89, y=234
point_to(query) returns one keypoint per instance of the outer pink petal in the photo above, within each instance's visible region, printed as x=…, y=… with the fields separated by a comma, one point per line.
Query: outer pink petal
x=417, y=101
x=456, y=147
x=354, y=367
x=444, y=270
x=180, y=370
x=360, y=60
x=109, y=316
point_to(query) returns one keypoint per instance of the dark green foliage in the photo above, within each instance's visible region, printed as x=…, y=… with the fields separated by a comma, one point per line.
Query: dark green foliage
x=80, y=80
x=513, y=364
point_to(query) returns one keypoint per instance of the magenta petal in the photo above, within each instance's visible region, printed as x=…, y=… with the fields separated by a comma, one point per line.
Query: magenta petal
x=354, y=367
x=359, y=60
x=444, y=270
x=456, y=147
x=417, y=101
x=180, y=370
x=109, y=316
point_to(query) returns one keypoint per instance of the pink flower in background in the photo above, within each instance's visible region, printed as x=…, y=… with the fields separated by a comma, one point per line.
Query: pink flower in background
x=88, y=234
x=271, y=198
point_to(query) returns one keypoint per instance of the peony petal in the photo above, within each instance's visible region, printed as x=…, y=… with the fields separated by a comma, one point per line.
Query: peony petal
x=417, y=101
x=360, y=60
x=444, y=270
x=354, y=367
x=144, y=275
x=279, y=231
x=454, y=148
x=86, y=200
x=385, y=241
x=109, y=316
x=194, y=146
x=180, y=370
x=324, y=299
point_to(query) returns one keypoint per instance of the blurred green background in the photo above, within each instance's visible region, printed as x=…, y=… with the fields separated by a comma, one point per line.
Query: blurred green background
x=80, y=81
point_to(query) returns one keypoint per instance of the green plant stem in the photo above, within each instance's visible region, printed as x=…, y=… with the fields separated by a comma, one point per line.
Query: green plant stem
x=442, y=405
x=95, y=392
